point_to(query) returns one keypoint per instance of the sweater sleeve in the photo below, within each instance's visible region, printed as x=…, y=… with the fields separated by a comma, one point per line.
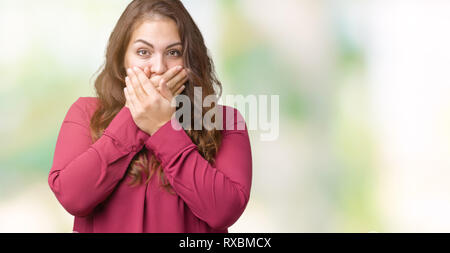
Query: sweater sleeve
x=84, y=174
x=216, y=194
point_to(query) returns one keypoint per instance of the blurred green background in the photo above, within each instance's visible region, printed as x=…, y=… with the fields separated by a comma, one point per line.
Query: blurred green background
x=364, y=140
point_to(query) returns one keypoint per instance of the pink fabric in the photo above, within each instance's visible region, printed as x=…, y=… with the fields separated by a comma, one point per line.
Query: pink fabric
x=90, y=181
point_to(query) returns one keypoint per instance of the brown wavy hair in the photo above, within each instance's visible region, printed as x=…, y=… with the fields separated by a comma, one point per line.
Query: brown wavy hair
x=110, y=82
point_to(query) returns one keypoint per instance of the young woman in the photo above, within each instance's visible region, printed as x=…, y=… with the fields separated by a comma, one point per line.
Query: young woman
x=120, y=165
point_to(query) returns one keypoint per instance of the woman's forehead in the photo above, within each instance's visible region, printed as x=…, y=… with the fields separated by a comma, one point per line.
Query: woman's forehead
x=157, y=31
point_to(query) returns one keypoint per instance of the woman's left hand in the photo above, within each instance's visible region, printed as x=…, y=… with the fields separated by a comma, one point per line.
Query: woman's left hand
x=150, y=108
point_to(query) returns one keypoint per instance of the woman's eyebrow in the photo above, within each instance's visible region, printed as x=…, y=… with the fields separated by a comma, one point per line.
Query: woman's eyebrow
x=150, y=45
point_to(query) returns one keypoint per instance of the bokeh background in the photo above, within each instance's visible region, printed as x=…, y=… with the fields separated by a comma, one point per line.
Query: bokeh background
x=364, y=142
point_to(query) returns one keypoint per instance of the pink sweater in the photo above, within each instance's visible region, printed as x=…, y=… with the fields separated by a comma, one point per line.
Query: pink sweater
x=91, y=183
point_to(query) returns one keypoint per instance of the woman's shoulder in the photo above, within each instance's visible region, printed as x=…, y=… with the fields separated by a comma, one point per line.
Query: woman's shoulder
x=87, y=104
x=83, y=101
x=82, y=109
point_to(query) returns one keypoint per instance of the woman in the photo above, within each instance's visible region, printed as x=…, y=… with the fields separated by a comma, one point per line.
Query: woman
x=120, y=165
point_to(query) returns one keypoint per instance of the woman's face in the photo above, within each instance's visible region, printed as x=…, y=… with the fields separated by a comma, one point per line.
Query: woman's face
x=155, y=44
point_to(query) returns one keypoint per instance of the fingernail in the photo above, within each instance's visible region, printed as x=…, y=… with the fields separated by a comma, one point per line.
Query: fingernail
x=136, y=68
x=179, y=67
x=129, y=71
x=127, y=79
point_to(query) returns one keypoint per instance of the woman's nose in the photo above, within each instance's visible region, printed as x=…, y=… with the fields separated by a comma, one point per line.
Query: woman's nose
x=158, y=65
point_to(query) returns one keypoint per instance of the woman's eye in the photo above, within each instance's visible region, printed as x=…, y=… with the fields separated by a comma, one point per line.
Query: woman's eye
x=175, y=53
x=142, y=52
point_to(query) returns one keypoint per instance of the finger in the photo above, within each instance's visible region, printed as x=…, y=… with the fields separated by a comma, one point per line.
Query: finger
x=137, y=87
x=127, y=96
x=171, y=73
x=133, y=100
x=143, y=79
x=164, y=90
x=145, y=82
x=147, y=85
x=149, y=82
x=177, y=86
x=171, y=83
x=181, y=89
x=127, y=93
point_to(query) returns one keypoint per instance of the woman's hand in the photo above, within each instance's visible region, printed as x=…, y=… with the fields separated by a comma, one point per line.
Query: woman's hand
x=151, y=108
x=176, y=79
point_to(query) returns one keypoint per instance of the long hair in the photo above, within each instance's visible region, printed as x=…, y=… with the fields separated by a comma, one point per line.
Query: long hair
x=110, y=82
